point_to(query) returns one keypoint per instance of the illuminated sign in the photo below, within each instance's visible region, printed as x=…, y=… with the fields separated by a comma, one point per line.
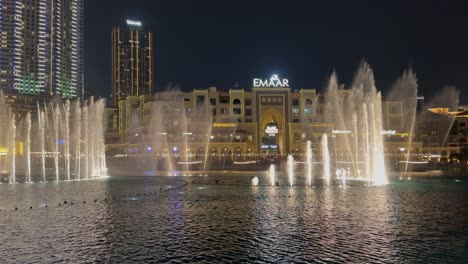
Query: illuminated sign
x=133, y=23
x=341, y=131
x=271, y=130
x=274, y=81
x=389, y=132
x=224, y=125
x=270, y=146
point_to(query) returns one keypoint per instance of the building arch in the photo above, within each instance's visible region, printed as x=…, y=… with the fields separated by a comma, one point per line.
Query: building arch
x=238, y=153
x=274, y=116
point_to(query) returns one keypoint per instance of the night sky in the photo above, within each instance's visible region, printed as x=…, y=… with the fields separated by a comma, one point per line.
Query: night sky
x=203, y=43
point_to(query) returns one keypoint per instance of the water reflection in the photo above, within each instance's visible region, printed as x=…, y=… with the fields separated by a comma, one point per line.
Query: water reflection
x=133, y=219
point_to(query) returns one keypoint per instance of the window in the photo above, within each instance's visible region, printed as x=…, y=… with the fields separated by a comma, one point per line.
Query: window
x=212, y=101
x=237, y=111
x=308, y=106
x=297, y=136
x=224, y=99
x=395, y=109
x=200, y=99
x=248, y=112
x=236, y=101
x=224, y=111
x=295, y=102
x=295, y=112
x=248, y=101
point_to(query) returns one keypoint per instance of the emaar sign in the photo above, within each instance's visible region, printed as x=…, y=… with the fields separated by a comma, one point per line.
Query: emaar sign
x=274, y=81
x=133, y=23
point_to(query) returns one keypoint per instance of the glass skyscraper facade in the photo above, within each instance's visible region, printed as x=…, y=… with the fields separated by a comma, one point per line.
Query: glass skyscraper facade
x=132, y=61
x=41, y=47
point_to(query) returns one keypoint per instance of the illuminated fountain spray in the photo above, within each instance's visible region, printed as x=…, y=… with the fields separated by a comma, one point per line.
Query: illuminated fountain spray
x=12, y=148
x=169, y=117
x=272, y=174
x=41, y=126
x=326, y=159
x=67, y=142
x=254, y=181
x=54, y=133
x=290, y=166
x=77, y=140
x=28, y=147
x=358, y=112
x=309, y=162
x=56, y=118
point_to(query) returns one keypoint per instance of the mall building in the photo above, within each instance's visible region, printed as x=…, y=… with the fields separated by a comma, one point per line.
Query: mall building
x=269, y=118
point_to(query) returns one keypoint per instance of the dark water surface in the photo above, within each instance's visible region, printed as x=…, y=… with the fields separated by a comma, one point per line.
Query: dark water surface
x=174, y=219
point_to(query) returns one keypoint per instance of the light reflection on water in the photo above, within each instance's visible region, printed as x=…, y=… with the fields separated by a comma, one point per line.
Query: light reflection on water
x=142, y=219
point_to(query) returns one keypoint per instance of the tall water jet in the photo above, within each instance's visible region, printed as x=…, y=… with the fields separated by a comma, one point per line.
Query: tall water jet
x=357, y=112
x=41, y=124
x=326, y=159
x=365, y=140
x=405, y=90
x=309, y=162
x=56, y=118
x=290, y=167
x=356, y=144
x=172, y=131
x=272, y=174
x=77, y=141
x=91, y=147
x=67, y=138
x=12, y=148
x=380, y=175
x=86, y=140
x=51, y=131
x=28, y=147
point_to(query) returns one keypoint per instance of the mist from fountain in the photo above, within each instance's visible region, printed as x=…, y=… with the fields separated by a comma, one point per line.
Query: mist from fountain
x=290, y=167
x=173, y=129
x=357, y=113
x=326, y=159
x=52, y=132
x=309, y=163
x=448, y=97
x=12, y=147
x=66, y=132
x=405, y=90
x=28, y=147
x=272, y=174
x=41, y=129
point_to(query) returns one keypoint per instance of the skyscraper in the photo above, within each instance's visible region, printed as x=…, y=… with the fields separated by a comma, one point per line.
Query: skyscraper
x=132, y=61
x=41, y=47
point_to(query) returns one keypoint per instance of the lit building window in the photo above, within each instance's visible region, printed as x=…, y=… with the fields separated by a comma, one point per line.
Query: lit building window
x=295, y=112
x=308, y=106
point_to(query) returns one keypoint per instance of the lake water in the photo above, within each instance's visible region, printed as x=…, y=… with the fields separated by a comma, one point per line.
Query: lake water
x=192, y=219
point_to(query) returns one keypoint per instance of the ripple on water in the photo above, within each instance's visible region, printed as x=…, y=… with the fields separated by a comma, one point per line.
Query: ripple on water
x=232, y=222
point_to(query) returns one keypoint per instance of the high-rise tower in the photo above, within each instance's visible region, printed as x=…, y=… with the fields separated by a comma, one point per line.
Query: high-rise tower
x=41, y=47
x=132, y=61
